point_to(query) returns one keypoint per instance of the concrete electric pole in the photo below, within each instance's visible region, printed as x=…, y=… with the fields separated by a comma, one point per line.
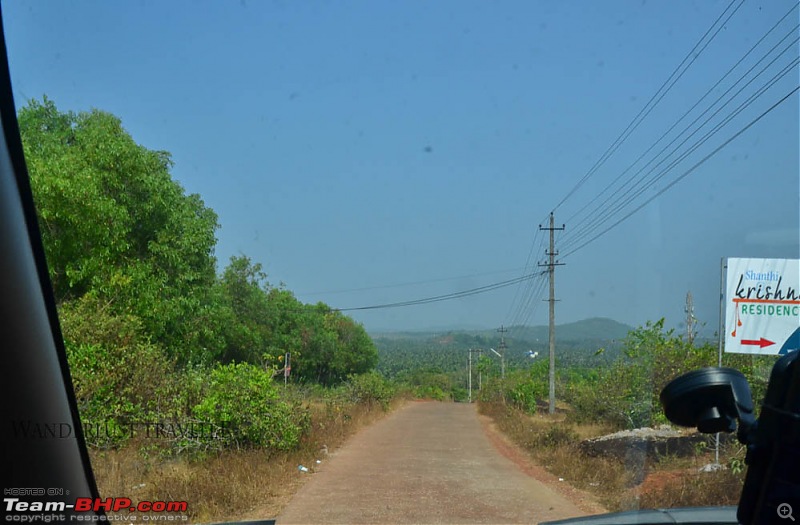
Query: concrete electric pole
x=502, y=331
x=551, y=266
x=469, y=374
x=690, y=319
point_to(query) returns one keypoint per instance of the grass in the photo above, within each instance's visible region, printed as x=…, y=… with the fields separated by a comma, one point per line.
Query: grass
x=687, y=488
x=669, y=482
x=229, y=485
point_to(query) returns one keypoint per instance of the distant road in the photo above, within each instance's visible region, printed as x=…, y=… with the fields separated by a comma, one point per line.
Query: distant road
x=426, y=463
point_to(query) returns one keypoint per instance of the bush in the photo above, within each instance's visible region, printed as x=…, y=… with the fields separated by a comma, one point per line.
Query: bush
x=431, y=392
x=625, y=394
x=243, y=403
x=371, y=388
x=524, y=390
x=119, y=376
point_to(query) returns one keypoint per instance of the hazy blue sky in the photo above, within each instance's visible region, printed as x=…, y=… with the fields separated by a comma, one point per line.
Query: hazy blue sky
x=350, y=145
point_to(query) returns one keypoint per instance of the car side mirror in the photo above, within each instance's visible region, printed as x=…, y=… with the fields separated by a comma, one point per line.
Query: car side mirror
x=711, y=399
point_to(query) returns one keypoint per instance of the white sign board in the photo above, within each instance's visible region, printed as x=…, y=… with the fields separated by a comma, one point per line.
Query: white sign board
x=762, y=306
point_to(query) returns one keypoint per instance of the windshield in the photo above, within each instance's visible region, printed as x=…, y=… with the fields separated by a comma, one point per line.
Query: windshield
x=429, y=262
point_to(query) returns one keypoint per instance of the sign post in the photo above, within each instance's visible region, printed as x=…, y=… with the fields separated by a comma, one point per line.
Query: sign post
x=720, y=337
x=762, y=312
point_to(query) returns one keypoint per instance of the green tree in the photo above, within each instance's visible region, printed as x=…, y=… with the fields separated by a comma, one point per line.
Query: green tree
x=119, y=231
x=245, y=290
x=115, y=224
x=334, y=347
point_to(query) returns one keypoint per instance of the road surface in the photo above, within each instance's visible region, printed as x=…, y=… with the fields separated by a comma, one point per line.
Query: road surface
x=426, y=463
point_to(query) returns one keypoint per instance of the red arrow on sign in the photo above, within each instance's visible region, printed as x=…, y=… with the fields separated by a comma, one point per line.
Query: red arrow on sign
x=757, y=342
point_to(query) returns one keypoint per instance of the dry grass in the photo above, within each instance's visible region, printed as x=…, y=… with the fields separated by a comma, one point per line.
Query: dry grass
x=231, y=485
x=604, y=478
x=670, y=482
x=553, y=443
x=686, y=488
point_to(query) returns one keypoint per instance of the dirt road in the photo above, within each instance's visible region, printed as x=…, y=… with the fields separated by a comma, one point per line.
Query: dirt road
x=426, y=463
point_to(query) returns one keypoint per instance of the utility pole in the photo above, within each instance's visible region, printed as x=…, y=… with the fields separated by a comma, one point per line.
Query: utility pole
x=690, y=319
x=469, y=371
x=502, y=331
x=469, y=374
x=480, y=371
x=551, y=266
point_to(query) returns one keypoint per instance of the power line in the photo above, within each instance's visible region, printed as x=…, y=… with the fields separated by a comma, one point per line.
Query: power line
x=597, y=216
x=600, y=215
x=524, y=298
x=444, y=297
x=413, y=283
x=525, y=270
x=529, y=302
x=691, y=57
x=593, y=213
x=533, y=286
x=627, y=199
x=689, y=171
x=534, y=301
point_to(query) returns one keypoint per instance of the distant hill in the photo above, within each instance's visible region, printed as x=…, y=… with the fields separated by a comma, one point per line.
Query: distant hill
x=592, y=329
x=586, y=342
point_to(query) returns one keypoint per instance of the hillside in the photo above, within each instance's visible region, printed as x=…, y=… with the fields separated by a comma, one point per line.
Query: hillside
x=592, y=329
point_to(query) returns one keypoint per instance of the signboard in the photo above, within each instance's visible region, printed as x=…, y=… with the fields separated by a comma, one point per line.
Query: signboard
x=762, y=306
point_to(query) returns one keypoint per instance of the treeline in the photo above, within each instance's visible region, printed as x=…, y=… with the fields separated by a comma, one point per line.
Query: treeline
x=623, y=393
x=435, y=366
x=614, y=383
x=151, y=328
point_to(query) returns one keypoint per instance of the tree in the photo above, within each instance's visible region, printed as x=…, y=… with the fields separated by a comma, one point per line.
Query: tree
x=332, y=346
x=118, y=231
x=245, y=290
x=116, y=225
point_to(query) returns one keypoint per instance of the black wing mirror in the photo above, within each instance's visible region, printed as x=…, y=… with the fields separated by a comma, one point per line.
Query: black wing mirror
x=711, y=399
x=714, y=399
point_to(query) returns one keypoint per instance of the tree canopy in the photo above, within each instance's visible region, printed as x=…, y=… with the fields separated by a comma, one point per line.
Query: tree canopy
x=121, y=235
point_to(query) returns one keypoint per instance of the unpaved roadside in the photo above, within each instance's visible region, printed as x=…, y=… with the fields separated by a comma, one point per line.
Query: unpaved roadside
x=427, y=463
x=584, y=500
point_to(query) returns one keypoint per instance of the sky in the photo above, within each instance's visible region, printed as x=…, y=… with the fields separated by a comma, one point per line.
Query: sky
x=373, y=152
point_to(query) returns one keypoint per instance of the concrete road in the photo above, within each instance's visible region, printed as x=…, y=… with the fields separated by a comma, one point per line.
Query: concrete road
x=426, y=463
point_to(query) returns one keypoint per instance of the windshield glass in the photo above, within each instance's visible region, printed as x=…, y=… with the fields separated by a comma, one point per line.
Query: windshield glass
x=429, y=262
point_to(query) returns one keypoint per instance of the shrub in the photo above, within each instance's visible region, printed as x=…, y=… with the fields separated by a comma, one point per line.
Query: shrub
x=118, y=375
x=524, y=391
x=625, y=394
x=371, y=388
x=243, y=403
